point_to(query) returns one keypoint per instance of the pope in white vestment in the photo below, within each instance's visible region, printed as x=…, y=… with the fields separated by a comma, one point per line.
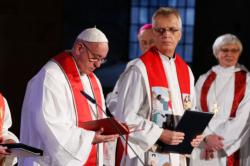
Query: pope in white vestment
x=54, y=106
x=231, y=119
x=49, y=120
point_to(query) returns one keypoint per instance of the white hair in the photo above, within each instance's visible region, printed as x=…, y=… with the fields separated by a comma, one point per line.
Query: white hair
x=167, y=11
x=226, y=39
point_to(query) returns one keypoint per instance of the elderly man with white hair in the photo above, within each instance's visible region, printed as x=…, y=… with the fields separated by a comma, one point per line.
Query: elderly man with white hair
x=225, y=91
x=54, y=106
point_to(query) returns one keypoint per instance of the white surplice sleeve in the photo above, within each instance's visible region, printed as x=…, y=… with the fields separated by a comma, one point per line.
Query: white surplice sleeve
x=7, y=124
x=8, y=135
x=49, y=121
x=198, y=87
x=192, y=90
x=133, y=108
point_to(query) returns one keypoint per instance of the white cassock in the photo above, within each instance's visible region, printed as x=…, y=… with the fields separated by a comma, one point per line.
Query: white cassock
x=7, y=123
x=130, y=102
x=236, y=131
x=49, y=121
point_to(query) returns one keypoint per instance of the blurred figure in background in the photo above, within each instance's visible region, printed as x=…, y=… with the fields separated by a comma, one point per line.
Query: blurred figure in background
x=6, y=137
x=225, y=91
x=145, y=37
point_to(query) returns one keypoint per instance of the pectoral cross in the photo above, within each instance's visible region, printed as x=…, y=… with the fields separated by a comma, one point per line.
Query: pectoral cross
x=215, y=108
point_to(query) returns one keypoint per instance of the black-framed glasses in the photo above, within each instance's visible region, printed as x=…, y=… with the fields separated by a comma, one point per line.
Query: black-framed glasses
x=233, y=50
x=95, y=57
x=161, y=31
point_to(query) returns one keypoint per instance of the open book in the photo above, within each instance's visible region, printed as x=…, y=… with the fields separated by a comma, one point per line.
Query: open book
x=22, y=150
x=110, y=126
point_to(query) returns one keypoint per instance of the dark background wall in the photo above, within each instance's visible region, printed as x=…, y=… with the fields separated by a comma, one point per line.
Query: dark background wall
x=214, y=18
x=32, y=32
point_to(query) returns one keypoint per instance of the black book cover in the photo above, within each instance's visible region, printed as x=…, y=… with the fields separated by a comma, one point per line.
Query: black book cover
x=22, y=150
x=192, y=123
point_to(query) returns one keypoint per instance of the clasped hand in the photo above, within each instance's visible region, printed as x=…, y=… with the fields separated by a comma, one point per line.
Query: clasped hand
x=4, y=150
x=213, y=144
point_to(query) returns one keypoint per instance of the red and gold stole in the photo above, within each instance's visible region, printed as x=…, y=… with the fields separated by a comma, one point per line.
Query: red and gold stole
x=69, y=67
x=2, y=112
x=239, y=93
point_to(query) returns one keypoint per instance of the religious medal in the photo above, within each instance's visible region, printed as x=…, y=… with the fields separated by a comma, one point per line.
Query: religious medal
x=166, y=96
x=215, y=108
x=187, y=104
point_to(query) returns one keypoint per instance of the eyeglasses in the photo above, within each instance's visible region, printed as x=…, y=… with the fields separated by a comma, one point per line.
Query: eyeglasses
x=233, y=50
x=161, y=31
x=96, y=57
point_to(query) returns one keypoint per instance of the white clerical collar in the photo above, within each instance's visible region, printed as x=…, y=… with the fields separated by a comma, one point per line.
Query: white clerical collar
x=225, y=70
x=167, y=57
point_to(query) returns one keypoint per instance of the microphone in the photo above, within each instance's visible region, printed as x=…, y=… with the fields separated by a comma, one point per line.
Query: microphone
x=88, y=97
x=92, y=100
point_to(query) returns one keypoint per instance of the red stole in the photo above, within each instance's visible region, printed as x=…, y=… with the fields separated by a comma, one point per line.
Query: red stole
x=156, y=73
x=69, y=67
x=157, y=77
x=2, y=112
x=239, y=92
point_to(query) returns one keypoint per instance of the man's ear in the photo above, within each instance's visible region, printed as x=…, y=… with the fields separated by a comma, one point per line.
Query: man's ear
x=78, y=48
x=180, y=36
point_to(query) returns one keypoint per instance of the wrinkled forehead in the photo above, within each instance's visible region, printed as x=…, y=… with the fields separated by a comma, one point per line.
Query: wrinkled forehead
x=230, y=45
x=100, y=48
x=170, y=20
x=95, y=45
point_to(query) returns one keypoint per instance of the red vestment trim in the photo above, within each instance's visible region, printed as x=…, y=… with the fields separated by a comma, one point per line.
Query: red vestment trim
x=239, y=90
x=239, y=93
x=156, y=73
x=69, y=67
x=119, y=152
x=204, y=91
x=2, y=112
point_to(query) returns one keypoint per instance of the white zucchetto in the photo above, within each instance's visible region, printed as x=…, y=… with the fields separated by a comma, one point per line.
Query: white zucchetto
x=92, y=35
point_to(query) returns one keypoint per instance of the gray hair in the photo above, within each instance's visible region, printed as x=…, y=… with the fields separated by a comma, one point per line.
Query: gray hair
x=167, y=11
x=226, y=39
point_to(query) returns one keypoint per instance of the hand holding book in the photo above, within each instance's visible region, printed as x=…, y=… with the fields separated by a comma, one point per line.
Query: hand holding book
x=22, y=150
x=110, y=126
x=192, y=124
x=100, y=137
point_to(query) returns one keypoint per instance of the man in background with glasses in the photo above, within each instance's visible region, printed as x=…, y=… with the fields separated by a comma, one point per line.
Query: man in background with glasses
x=154, y=86
x=54, y=106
